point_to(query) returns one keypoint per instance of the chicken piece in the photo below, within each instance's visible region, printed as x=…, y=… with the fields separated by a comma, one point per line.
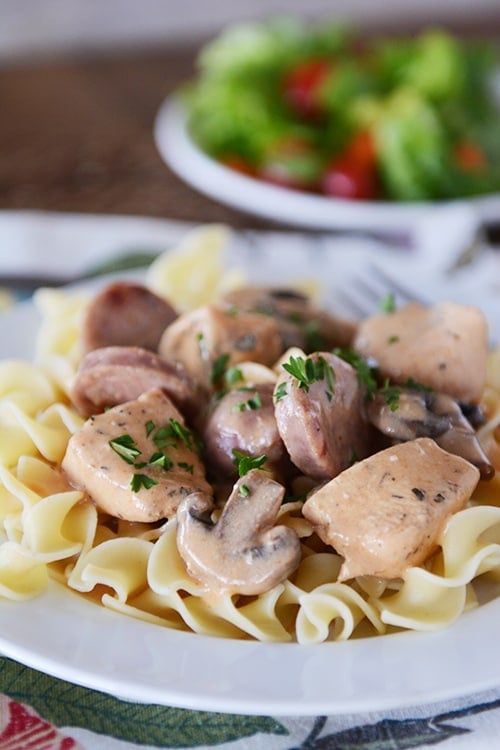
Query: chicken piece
x=137, y=461
x=208, y=337
x=385, y=514
x=243, y=553
x=320, y=414
x=300, y=322
x=243, y=420
x=125, y=314
x=115, y=374
x=444, y=347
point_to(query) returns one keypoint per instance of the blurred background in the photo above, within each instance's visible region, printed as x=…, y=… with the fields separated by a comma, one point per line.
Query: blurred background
x=81, y=82
x=29, y=27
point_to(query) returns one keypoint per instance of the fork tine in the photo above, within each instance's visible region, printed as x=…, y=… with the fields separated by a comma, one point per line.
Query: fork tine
x=363, y=296
x=404, y=292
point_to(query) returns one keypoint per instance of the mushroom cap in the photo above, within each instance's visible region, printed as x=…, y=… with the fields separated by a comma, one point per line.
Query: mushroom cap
x=243, y=552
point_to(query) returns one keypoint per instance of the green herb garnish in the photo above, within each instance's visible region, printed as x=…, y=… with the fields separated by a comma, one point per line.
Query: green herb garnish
x=308, y=371
x=251, y=403
x=233, y=375
x=391, y=394
x=366, y=374
x=219, y=368
x=388, y=303
x=141, y=480
x=280, y=392
x=416, y=386
x=245, y=463
x=160, y=459
x=126, y=447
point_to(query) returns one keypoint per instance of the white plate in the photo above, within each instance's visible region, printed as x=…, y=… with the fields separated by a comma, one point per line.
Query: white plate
x=63, y=634
x=291, y=207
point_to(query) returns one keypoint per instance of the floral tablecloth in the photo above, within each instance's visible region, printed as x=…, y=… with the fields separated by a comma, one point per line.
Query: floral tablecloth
x=42, y=712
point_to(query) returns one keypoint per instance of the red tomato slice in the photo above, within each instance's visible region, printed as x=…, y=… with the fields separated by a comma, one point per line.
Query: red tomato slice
x=469, y=156
x=353, y=174
x=347, y=179
x=302, y=83
x=239, y=164
x=362, y=148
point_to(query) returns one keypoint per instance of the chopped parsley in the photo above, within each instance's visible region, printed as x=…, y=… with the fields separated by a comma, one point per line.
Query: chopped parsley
x=245, y=463
x=141, y=480
x=166, y=436
x=366, y=374
x=150, y=427
x=182, y=433
x=308, y=371
x=391, y=394
x=416, y=386
x=251, y=403
x=280, y=392
x=169, y=436
x=388, y=303
x=219, y=368
x=315, y=341
x=244, y=490
x=233, y=375
x=160, y=459
x=126, y=447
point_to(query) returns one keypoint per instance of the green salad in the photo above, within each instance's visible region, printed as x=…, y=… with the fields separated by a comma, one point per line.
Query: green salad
x=319, y=109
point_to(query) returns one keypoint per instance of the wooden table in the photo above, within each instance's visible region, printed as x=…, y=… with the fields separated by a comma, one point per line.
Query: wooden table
x=77, y=135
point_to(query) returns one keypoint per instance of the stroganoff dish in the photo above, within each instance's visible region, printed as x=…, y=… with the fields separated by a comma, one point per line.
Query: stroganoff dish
x=236, y=461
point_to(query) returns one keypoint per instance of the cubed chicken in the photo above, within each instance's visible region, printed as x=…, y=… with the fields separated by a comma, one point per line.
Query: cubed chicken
x=137, y=461
x=206, y=338
x=385, y=514
x=444, y=347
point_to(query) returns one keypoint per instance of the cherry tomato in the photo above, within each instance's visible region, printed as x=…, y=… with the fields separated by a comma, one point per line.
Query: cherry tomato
x=348, y=179
x=302, y=83
x=353, y=174
x=362, y=148
x=469, y=156
x=239, y=164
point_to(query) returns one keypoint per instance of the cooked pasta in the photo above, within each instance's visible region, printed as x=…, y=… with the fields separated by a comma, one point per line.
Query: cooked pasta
x=50, y=529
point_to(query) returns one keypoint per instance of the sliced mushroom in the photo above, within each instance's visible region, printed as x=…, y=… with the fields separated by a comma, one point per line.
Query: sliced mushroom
x=385, y=514
x=461, y=439
x=321, y=418
x=300, y=322
x=243, y=420
x=444, y=347
x=242, y=553
x=116, y=374
x=125, y=314
x=137, y=461
x=208, y=336
x=419, y=413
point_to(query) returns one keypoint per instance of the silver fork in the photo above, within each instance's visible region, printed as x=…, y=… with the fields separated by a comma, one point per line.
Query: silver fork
x=371, y=290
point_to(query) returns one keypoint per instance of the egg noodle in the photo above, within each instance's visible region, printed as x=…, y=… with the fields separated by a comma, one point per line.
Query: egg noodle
x=49, y=530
